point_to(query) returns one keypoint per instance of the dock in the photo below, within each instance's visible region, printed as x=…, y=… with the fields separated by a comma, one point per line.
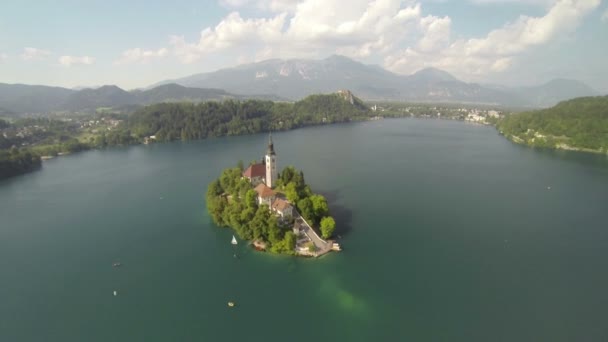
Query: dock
x=307, y=235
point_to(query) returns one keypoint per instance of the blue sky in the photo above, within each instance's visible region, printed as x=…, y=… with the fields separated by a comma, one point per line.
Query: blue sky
x=137, y=43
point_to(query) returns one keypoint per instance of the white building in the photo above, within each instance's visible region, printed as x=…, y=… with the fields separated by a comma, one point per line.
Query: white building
x=271, y=163
x=265, y=194
x=282, y=208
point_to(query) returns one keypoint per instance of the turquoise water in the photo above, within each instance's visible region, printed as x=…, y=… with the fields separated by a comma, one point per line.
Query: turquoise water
x=449, y=231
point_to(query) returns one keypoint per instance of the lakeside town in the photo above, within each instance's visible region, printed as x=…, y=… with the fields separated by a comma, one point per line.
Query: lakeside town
x=475, y=114
x=38, y=132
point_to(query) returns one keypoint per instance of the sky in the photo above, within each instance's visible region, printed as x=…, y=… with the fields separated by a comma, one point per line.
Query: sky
x=73, y=43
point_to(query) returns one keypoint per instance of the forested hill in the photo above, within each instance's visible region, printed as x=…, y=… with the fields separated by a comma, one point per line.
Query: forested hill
x=578, y=124
x=15, y=162
x=186, y=121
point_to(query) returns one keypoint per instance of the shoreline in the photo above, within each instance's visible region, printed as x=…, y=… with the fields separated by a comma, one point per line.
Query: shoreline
x=514, y=139
x=558, y=147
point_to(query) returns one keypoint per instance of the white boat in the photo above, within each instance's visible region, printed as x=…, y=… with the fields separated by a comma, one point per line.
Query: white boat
x=233, y=240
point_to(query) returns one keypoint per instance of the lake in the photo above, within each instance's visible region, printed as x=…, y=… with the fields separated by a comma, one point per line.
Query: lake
x=450, y=233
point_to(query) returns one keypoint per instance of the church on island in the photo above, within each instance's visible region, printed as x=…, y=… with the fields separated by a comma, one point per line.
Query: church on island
x=293, y=234
x=263, y=176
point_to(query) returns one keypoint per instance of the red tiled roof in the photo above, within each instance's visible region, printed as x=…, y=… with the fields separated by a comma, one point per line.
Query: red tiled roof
x=255, y=170
x=280, y=204
x=264, y=191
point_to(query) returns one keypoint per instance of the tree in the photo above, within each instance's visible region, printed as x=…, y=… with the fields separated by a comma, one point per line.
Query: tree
x=319, y=205
x=286, y=245
x=290, y=240
x=287, y=174
x=17, y=161
x=230, y=179
x=215, y=189
x=259, y=224
x=306, y=209
x=328, y=225
x=251, y=199
x=248, y=214
x=216, y=207
x=292, y=193
x=233, y=212
x=242, y=186
x=273, y=232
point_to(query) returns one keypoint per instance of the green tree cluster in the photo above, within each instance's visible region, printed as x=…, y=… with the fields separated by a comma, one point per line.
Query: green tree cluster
x=117, y=137
x=17, y=161
x=187, y=121
x=313, y=207
x=328, y=225
x=580, y=123
x=232, y=202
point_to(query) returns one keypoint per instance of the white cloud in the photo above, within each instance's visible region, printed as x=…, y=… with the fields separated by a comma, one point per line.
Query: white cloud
x=31, y=54
x=605, y=15
x=502, y=64
x=68, y=61
x=138, y=55
x=527, y=2
x=496, y=52
x=395, y=31
x=528, y=31
x=275, y=6
x=230, y=32
x=316, y=27
x=235, y=3
x=436, y=33
x=3, y=57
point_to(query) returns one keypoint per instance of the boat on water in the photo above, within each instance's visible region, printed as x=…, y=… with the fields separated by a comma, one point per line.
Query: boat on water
x=231, y=304
x=233, y=240
x=115, y=293
x=116, y=264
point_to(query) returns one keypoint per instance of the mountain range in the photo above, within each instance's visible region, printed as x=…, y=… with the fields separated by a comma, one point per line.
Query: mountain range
x=290, y=80
x=20, y=98
x=296, y=78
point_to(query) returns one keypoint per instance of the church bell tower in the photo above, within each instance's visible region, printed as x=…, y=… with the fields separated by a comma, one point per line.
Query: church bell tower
x=271, y=163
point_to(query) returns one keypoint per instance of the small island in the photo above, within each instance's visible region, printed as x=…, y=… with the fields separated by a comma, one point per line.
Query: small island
x=276, y=211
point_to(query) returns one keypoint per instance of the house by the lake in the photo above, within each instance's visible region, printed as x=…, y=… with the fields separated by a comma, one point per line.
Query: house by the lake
x=265, y=194
x=282, y=208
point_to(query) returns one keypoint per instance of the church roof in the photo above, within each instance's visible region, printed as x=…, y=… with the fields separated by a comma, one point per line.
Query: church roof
x=264, y=191
x=255, y=170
